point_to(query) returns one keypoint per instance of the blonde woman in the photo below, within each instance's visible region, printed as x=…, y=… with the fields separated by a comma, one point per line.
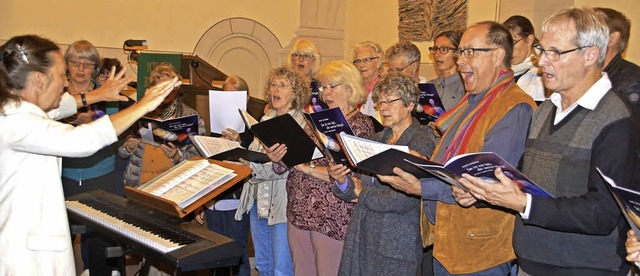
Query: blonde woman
x=304, y=58
x=317, y=219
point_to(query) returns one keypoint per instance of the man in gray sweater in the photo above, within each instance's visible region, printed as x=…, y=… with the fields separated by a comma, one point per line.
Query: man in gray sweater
x=582, y=126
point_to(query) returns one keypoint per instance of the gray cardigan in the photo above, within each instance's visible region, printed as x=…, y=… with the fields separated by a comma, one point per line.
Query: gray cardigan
x=383, y=237
x=266, y=189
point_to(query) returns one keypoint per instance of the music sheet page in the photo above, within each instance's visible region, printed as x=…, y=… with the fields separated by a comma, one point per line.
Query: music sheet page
x=213, y=145
x=360, y=149
x=188, y=179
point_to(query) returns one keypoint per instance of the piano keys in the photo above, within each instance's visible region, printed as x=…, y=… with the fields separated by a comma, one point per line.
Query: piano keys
x=156, y=235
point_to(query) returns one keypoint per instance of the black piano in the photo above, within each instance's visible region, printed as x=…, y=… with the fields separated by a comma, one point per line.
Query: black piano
x=158, y=236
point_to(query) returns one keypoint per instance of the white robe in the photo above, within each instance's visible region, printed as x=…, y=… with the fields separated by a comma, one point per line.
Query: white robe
x=34, y=231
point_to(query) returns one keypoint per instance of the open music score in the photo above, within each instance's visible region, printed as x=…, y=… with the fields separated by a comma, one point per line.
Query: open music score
x=189, y=185
x=378, y=158
x=187, y=181
x=359, y=149
x=210, y=146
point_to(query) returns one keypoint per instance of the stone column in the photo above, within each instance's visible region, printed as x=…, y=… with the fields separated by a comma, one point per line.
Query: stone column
x=323, y=23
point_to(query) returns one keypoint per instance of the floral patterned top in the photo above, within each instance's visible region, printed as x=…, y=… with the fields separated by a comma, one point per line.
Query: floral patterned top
x=311, y=204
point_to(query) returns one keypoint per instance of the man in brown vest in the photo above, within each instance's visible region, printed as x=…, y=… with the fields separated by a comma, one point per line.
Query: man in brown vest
x=493, y=116
x=584, y=126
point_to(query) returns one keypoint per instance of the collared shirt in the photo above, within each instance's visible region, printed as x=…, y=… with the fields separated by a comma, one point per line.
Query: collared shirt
x=588, y=100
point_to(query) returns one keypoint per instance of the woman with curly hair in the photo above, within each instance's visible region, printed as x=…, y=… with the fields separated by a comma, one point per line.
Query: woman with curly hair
x=317, y=219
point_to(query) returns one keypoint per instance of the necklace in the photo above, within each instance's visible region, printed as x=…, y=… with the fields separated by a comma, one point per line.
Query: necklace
x=78, y=91
x=350, y=113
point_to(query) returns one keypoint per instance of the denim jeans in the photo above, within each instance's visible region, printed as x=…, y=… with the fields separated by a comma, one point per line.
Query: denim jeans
x=224, y=223
x=271, y=246
x=499, y=270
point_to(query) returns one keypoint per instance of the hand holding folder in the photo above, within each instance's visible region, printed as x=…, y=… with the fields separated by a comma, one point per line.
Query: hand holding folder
x=284, y=130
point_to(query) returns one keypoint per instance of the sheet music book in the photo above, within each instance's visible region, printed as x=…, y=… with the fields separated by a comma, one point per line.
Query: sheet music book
x=378, y=158
x=478, y=164
x=188, y=181
x=198, y=199
x=223, y=149
x=247, y=118
x=284, y=129
x=222, y=110
x=327, y=124
x=430, y=105
x=176, y=130
x=627, y=200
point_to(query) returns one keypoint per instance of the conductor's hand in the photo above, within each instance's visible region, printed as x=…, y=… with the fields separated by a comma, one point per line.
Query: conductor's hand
x=156, y=94
x=403, y=181
x=110, y=90
x=276, y=152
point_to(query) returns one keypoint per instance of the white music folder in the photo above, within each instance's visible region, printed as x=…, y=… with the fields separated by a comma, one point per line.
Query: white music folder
x=223, y=110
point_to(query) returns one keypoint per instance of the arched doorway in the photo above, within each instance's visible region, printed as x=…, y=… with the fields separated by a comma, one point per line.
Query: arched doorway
x=241, y=46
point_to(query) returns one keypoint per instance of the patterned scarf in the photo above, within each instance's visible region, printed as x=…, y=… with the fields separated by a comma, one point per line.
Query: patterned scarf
x=462, y=138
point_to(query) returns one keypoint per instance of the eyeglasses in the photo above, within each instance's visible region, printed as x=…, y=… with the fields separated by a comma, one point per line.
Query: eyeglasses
x=379, y=103
x=103, y=76
x=515, y=41
x=329, y=87
x=281, y=85
x=470, y=52
x=554, y=55
x=398, y=70
x=86, y=65
x=302, y=57
x=366, y=60
x=441, y=50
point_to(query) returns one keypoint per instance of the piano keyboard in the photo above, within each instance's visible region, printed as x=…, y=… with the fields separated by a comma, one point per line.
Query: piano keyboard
x=162, y=238
x=187, y=246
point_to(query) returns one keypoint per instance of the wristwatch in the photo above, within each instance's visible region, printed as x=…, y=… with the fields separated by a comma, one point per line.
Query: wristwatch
x=83, y=97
